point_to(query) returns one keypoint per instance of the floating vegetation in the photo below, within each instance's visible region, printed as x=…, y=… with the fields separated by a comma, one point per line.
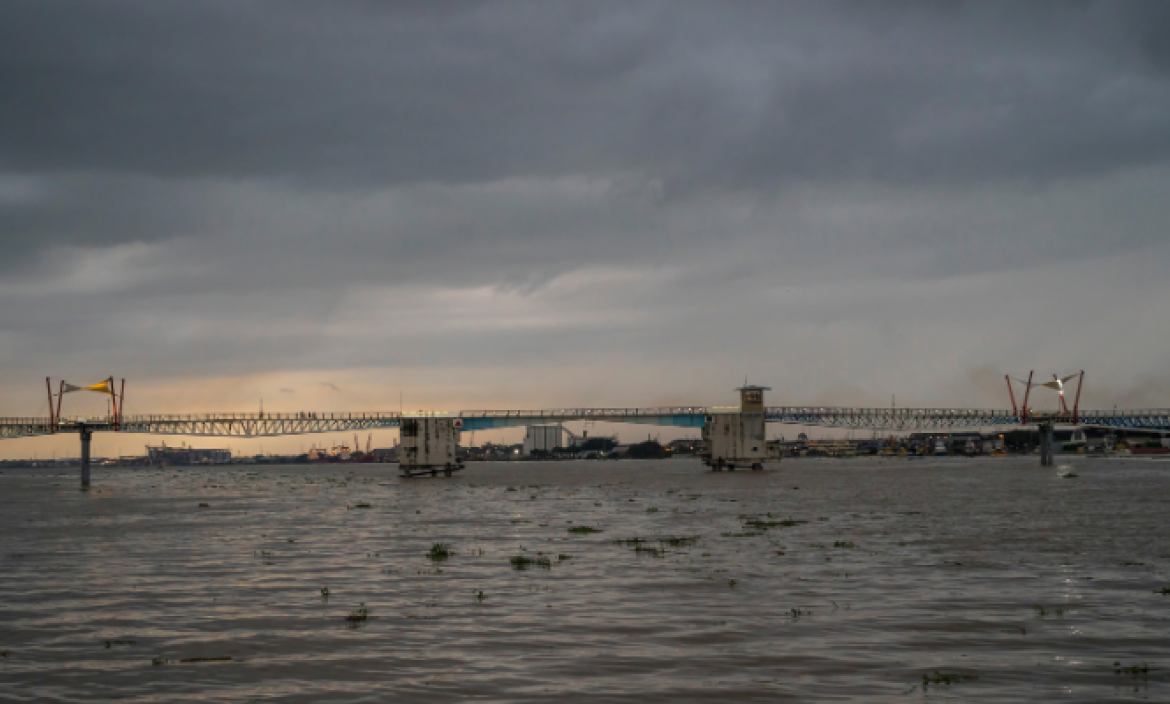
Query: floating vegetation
x=652, y=552
x=740, y=535
x=1163, y=591
x=630, y=541
x=563, y=557
x=160, y=660
x=947, y=678
x=584, y=529
x=844, y=544
x=203, y=505
x=731, y=583
x=1071, y=475
x=111, y=643
x=226, y=658
x=682, y=542
x=324, y=592
x=797, y=613
x=1135, y=670
x=440, y=552
x=359, y=615
x=511, y=488
x=652, y=509
x=523, y=562
x=362, y=505
x=761, y=524
x=479, y=596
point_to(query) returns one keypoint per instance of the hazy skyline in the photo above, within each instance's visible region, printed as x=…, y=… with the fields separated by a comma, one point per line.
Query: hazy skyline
x=532, y=205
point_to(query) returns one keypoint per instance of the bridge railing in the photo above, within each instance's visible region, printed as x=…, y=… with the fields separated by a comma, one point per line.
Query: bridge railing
x=584, y=412
x=299, y=415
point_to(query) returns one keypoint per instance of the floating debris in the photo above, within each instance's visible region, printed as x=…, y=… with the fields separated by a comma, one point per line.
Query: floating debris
x=223, y=659
x=523, y=562
x=111, y=643
x=358, y=615
x=440, y=552
x=584, y=529
x=202, y=505
x=652, y=552
x=1135, y=670
x=947, y=678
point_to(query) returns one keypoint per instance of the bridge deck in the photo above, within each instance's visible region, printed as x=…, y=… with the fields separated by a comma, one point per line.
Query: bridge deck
x=275, y=424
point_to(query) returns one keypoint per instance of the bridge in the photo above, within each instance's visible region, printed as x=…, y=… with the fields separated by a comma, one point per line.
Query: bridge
x=731, y=434
x=259, y=425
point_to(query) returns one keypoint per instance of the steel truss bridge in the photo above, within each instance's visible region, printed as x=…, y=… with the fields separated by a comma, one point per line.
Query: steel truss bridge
x=259, y=425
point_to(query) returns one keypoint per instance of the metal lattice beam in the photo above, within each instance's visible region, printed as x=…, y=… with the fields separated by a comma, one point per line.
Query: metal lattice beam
x=256, y=425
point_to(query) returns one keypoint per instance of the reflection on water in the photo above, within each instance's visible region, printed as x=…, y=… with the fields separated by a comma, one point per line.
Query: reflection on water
x=825, y=579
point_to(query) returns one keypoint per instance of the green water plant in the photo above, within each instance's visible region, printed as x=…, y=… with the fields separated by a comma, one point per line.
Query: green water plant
x=1164, y=591
x=652, y=552
x=479, y=596
x=584, y=530
x=324, y=592
x=440, y=552
x=844, y=544
x=359, y=615
x=947, y=678
x=523, y=562
x=1135, y=670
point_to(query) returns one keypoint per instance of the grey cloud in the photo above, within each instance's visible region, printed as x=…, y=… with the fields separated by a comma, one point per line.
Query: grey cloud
x=802, y=191
x=736, y=95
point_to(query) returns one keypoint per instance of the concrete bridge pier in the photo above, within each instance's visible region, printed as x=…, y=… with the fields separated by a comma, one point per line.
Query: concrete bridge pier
x=1046, y=458
x=86, y=435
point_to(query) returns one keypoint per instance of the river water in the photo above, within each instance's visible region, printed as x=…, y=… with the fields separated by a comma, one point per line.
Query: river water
x=821, y=580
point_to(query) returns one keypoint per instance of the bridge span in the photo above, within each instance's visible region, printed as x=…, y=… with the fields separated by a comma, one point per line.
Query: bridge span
x=259, y=425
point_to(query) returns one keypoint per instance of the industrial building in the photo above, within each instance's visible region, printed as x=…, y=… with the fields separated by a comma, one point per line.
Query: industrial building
x=164, y=455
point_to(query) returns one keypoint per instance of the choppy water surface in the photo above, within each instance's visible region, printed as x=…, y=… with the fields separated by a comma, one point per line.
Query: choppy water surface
x=1027, y=583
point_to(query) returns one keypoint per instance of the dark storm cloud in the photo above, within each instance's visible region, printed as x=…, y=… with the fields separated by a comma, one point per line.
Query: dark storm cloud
x=231, y=187
x=728, y=95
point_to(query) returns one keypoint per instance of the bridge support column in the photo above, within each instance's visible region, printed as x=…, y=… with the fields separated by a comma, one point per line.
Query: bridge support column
x=86, y=435
x=1046, y=458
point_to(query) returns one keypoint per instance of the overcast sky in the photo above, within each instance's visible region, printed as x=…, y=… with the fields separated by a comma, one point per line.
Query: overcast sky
x=548, y=204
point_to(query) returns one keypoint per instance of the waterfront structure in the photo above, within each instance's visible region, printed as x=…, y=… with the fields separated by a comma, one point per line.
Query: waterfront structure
x=734, y=437
x=429, y=446
x=542, y=438
x=164, y=455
